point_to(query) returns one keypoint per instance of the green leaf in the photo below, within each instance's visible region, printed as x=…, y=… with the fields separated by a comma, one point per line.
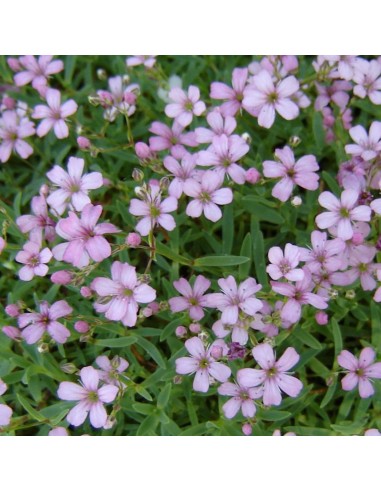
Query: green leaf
x=163, y=398
x=262, y=212
x=318, y=130
x=152, y=351
x=143, y=392
x=163, y=250
x=246, y=250
x=169, y=329
x=332, y=183
x=308, y=339
x=338, y=341
x=148, y=426
x=31, y=411
x=350, y=428
x=220, y=261
x=329, y=395
x=116, y=342
x=259, y=253
x=69, y=68
x=228, y=229
x=143, y=408
x=273, y=415
x=376, y=326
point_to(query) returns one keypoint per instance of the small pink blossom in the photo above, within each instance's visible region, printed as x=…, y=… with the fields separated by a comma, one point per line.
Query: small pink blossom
x=120, y=100
x=34, y=325
x=242, y=399
x=181, y=172
x=219, y=126
x=84, y=236
x=90, y=396
x=133, y=239
x=284, y=264
x=153, y=210
x=362, y=267
x=58, y=432
x=54, y=114
x=263, y=98
x=193, y=299
x=110, y=370
x=367, y=146
x=35, y=70
x=119, y=296
x=273, y=374
x=73, y=187
x=361, y=371
x=34, y=259
x=172, y=139
x=13, y=131
x=39, y=221
x=234, y=299
x=147, y=60
x=184, y=105
x=324, y=254
x=336, y=93
x=342, y=212
x=5, y=410
x=202, y=363
x=232, y=96
x=301, y=173
x=207, y=195
x=367, y=77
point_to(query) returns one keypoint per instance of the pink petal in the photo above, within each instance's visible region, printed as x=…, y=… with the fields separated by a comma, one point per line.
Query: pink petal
x=78, y=414
x=90, y=378
x=98, y=415
x=71, y=391
x=201, y=381
x=264, y=355
x=288, y=360
x=107, y=393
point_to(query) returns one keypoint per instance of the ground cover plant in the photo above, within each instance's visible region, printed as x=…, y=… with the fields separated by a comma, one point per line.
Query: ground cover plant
x=190, y=245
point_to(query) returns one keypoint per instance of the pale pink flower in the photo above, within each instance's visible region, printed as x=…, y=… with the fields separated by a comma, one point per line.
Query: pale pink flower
x=219, y=126
x=73, y=187
x=172, y=139
x=37, y=71
x=181, y=172
x=278, y=433
x=361, y=371
x=337, y=93
x=367, y=146
x=342, y=212
x=58, y=432
x=301, y=173
x=273, y=374
x=39, y=221
x=234, y=299
x=147, y=60
x=54, y=114
x=242, y=399
x=324, y=253
x=207, y=195
x=33, y=258
x=298, y=294
x=284, y=264
x=368, y=80
x=192, y=299
x=13, y=131
x=84, y=236
x=119, y=296
x=223, y=155
x=232, y=96
x=372, y=432
x=120, y=100
x=34, y=325
x=185, y=105
x=110, y=370
x=153, y=210
x=3, y=245
x=203, y=364
x=5, y=410
x=263, y=98
x=91, y=398
x=362, y=267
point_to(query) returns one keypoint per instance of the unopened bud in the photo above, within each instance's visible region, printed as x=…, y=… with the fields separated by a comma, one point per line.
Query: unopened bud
x=86, y=291
x=294, y=141
x=133, y=239
x=357, y=238
x=83, y=143
x=8, y=102
x=333, y=294
x=85, y=338
x=63, y=277
x=296, y=201
x=2, y=244
x=94, y=100
x=142, y=150
x=350, y=294
x=126, y=79
x=137, y=175
x=14, y=64
x=146, y=312
x=12, y=332
x=12, y=310
x=246, y=137
x=181, y=331
x=69, y=368
x=252, y=175
x=101, y=74
x=247, y=429
x=195, y=328
x=154, y=306
x=321, y=318
x=81, y=326
x=44, y=190
x=177, y=380
x=43, y=347
x=164, y=183
x=110, y=422
x=216, y=352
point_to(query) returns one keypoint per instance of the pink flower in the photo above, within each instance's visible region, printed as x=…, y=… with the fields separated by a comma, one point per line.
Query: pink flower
x=133, y=240
x=111, y=369
x=298, y=294
x=301, y=173
x=39, y=221
x=202, y=363
x=368, y=147
x=263, y=98
x=368, y=80
x=73, y=187
x=34, y=259
x=193, y=299
x=54, y=114
x=5, y=411
x=223, y=155
x=284, y=265
x=147, y=60
x=37, y=71
x=120, y=100
x=272, y=374
x=58, y=432
x=181, y=172
x=232, y=96
x=360, y=371
x=34, y=325
x=85, y=238
x=13, y=130
x=207, y=195
x=170, y=138
x=235, y=299
x=372, y=432
x=121, y=295
x=342, y=212
x=324, y=253
x=219, y=126
x=185, y=105
x=243, y=399
x=337, y=93
x=91, y=398
x=153, y=210
x=363, y=267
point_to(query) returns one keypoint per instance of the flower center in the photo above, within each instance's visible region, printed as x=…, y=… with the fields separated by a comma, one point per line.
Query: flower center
x=188, y=106
x=127, y=292
x=344, y=213
x=271, y=372
x=204, y=363
x=272, y=97
x=204, y=197
x=92, y=396
x=154, y=211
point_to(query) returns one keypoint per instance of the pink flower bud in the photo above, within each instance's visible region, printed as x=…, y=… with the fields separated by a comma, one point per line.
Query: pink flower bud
x=63, y=277
x=129, y=98
x=247, y=429
x=106, y=182
x=12, y=332
x=142, y=150
x=2, y=244
x=133, y=239
x=81, y=326
x=86, y=292
x=154, y=182
x=44, y=190
x=105, y=99
x=9, y=102
x=216, y=352
x=195, y=328
x=154, y=306
x=181, y=331
x=357, y=238
x=12, y=310
x=252, y=175
x=321, y=318
x=146, y=312
x=83, y=143
x=14, y=64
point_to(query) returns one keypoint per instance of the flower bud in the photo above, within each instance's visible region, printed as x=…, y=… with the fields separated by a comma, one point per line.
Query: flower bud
x=216, y=352
x=177, y=380
x=154, y=306
x=81, y=326
x=8, y=102
x=105, y=99
x=294, y=141
x=86, y=291
x=164, y=183
x=133, y=239
x=2, y=244
x=83, y=143
x=44, y=190
x=321, y=318
x=58, y=431
x=126, y=79
x=101, y=74
x=129, y=98
x=350, y=294
x=146, y=312
x=94, y=100
x=14, y=64
x=181, y=331
x=333, y=293
x=12, y=310
x=68, y=368
x=296, y=201
x=137, y=175
x=154, y=182
x=252, y=175
x=195, y=328
x=247, y=429
x=12, y=332
x=43, y=347
x=246, y=137
x=110, y=422
x=63, y=277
